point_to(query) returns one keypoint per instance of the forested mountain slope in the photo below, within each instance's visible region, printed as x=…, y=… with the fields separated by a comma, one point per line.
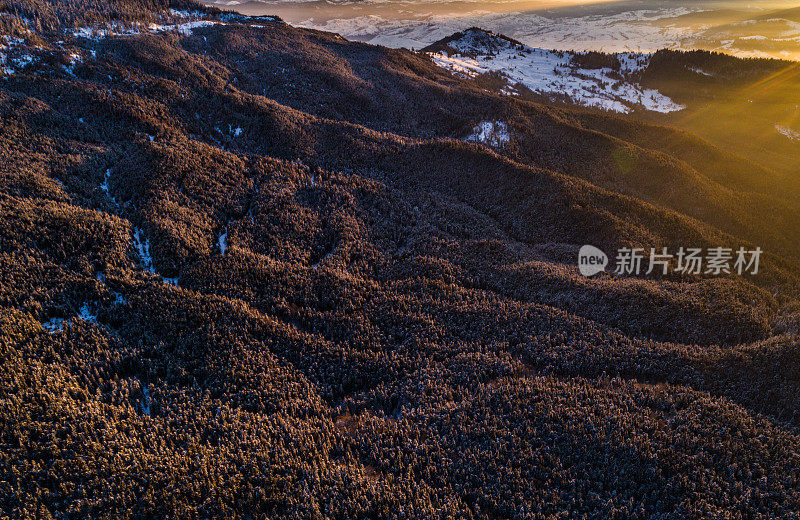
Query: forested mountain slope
x=252, y=271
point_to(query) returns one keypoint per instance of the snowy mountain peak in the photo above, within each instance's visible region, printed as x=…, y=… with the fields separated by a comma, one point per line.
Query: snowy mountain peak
x=606, y=81
x=478, y=42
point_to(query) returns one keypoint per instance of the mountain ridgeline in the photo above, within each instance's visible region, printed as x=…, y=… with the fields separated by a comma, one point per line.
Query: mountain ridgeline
x=254, y=271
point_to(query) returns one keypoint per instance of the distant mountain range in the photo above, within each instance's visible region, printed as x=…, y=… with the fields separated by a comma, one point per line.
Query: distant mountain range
x=746, y=29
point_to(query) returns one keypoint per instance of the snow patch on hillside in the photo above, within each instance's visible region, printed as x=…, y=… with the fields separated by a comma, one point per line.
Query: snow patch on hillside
x=789, y=133
x=14, y=55
x=145, y=401
x=493, y=133
x=142, y=245
x=4, y=68
x=554, y=73
x=97, y=33
x=54, y=325
x=73, y=60
x=143, y=248
x=183, y=13
x=105, y=187
x=223, y=241
x=701, y=72
x=87, y=315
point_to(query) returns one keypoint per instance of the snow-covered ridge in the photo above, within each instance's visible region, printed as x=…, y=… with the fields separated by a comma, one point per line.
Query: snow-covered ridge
x=553, y=73
x=180, y=21
x=185, y=28
x=116, y=29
